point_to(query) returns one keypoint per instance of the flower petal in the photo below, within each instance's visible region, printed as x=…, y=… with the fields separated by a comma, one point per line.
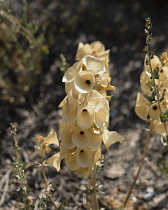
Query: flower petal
x=93, y=64
x=66, y=136
x=52, y=137
x=55, y=161
x=71, y=163
x=110, y=137
x=95, y=142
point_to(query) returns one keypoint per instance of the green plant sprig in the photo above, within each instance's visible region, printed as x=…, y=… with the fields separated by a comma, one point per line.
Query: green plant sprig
x=19, y=172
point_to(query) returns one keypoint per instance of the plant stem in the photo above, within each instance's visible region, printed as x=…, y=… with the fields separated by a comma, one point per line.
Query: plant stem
x=141, y=163
x=47, y=183
x=94, y=201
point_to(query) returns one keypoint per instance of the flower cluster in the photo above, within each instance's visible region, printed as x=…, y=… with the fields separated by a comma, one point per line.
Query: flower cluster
x=85, y=110
x=154, y=84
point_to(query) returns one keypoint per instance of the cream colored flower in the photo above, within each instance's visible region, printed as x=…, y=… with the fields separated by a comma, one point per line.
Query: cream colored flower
x=64, y=151
x=81, y=137
x=163, y=73
x=142, y=106
x=55, y=161
x=159, y=127
x=101, y=113
x=83, y=50
x=110, y=137
x=66, y=136
x=84, y=172
x=84, y=81
x=70, y=161
x=84, y=157
x=96, y=141
x=72, y=72
x=155, y=62
x=93, y=64
x=69, y=108
x=154, y=110
x=85, y=117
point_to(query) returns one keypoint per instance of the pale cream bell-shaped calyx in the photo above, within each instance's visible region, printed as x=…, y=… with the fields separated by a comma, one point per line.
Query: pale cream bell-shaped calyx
x=96, y=141
x=110, y=137
x=52, y=137
x=93, y=64
x=97, y=47
x=142, y=106
x=163, y=73
x=155, y=62
x=84, y=81
x=83, y=49
x=85, y=117
x=72, y=72
x=81, y=137
x=145, y=82
x=159, y=127
x=54, y=161
x=64, y=151
x=69, y=108
x=70, y=161
x=66, y=136
x=154, y=111
x=84, y=157
x=101, y=113
x=84, y=172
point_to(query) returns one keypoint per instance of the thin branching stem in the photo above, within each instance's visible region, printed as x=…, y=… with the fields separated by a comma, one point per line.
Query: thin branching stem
x=141, y=163
x=47, y=183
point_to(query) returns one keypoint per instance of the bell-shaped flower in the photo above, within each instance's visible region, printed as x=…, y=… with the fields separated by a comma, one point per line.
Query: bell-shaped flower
x=64, y=151
x=97, y=47
x=142, y=106
x=66, y=136
x=84, y=172
x=69, y=108
x=155, y=62
x=70, y=87
x=52, y=137
x=81, y=137
x=110, y=137
x=85, y=117
x=84, y=81
x=71, y=163
x=84, y=157
x=54, y=161
x=159, y=127
x=83, y=49
x=101, y=113
x=154, y=110
x=163, y=73
x=72, y=72
x=96, y=141
x=145, y=82
x=93, y=64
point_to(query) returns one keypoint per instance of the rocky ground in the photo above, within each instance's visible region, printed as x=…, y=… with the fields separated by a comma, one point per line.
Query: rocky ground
x=120, y=26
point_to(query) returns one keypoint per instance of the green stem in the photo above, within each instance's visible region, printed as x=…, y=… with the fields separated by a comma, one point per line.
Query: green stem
x=94, y=201
x=141, y=164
